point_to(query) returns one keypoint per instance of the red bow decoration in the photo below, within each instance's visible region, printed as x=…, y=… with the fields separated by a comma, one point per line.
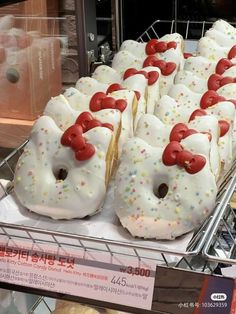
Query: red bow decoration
x=166, y=67
x=223, y=125
x=223, y=65
x=215, y=81
x=210, y=98
x=197, y=113
x=87, y=122
x=114, y=87
x=154, y=45
x=73, y=137
x=151, y=76
x=101, y=101
x=174, y=154
x=232, y=52
x=181, y=131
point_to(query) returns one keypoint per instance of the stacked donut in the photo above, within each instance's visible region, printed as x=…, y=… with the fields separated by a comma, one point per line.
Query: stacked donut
x=169, y=172
x=76, y=145
x=155, y=117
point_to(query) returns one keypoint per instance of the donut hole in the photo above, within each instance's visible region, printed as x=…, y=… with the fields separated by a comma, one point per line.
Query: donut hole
x=60, y=173
x=161, y=190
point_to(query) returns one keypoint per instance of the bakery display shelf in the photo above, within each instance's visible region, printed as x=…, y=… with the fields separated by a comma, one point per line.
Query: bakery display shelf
x=213, y=243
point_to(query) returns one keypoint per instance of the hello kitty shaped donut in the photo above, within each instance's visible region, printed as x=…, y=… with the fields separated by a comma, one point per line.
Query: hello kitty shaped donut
x=183, y=102
x=82, y=102
x=153, y=131
x=124, y=60
x=64, y=175
x=157, y=196
x=144, y=81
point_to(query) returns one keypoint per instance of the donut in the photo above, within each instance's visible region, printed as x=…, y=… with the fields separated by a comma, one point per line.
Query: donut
x=59, y=109
x=192, y=81
x=81, y=102
x=64, y=175
x=138, y=84
x=148, y=89
x=208, y=48
x=157, y=134
x=89, y=86
x=223, y=40
x=201, y=85
x=124, y=60
x=156, y=200
x=181, y=104
x=200, y=66
x=168, y=48
x=225, y=28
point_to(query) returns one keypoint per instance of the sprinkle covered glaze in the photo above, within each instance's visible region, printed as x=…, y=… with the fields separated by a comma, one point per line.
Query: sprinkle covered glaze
x=39, y=189
x=146, y=215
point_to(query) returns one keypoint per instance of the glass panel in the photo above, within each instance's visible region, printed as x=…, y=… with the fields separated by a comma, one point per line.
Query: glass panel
x=38, y=55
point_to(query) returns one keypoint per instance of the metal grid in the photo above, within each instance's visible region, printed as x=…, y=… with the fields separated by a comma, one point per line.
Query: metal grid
x=43, y=306
x=191, y=30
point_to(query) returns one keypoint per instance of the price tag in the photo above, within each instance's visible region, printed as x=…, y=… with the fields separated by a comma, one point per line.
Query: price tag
x=96, y=275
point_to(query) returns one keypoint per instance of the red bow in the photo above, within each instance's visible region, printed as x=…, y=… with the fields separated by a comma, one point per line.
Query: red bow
x=215, y=81
x=232, y=52
x=73, y=138
x=223, y=65
x=174, y=154
x=154, y=45
x=151, y=76
x=101, y=101
x=181, y=131
x=210, y=98
x=166, y=67
x=223, y=125
x=87, y=122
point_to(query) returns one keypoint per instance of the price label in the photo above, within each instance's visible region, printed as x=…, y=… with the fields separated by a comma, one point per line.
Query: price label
x=96, y=275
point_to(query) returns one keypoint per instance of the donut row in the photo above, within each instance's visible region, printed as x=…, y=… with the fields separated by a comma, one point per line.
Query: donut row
x=161, y=125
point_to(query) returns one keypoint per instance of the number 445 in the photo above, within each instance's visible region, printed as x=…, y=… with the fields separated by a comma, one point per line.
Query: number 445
x=119, y=281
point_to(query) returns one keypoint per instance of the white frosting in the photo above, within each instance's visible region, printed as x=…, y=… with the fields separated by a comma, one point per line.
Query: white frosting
x=80, y=102
x=208, y=48
x=192, y=81
x=149, y=93
x=230, y=72
x=225, y=28
x=156, y=133
x=187, y=203
x=134, y=47
x=200, y=66
x=63, y=114
x=220, y=38
x=89, y=86
x=124, y=60
x=81, y=193
x=106, y=75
